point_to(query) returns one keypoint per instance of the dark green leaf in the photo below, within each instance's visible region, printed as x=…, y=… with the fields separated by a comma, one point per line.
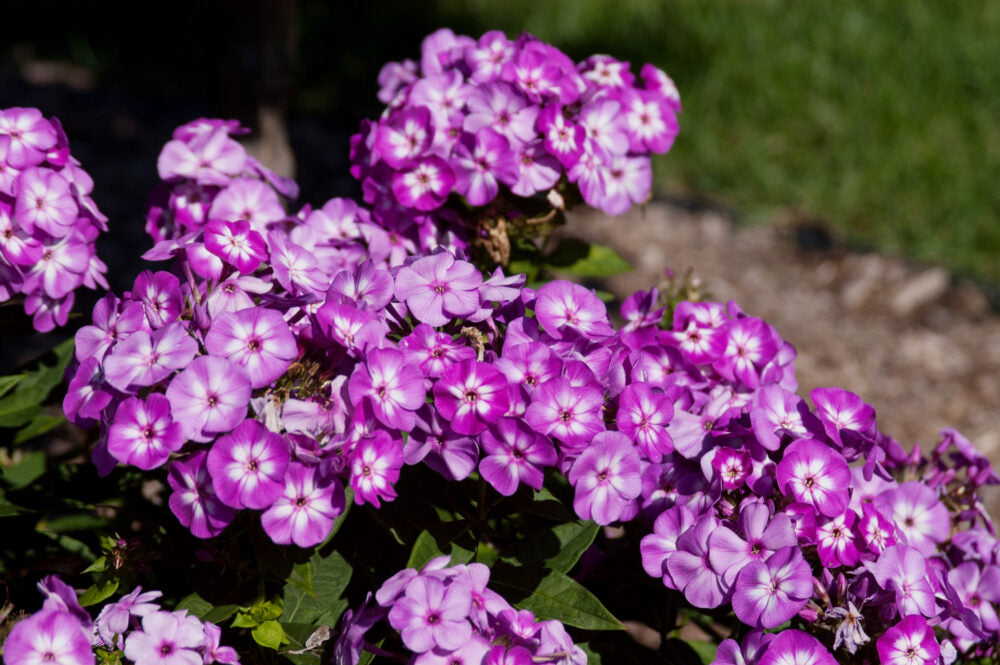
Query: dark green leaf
x=97, y=566
x=72, y=522
x=330, y=577
x=581, y=259
x=684, y=652
x=705, y=650
x=269, y=634
x=8, y=382
x=440, y=540
x=26, y=470
x=195, y=604
x=98, y=592
x=16, y=410
x=593, y=658
x=557, y=548
x=39, y=425
x=7, y=508
x=552, y=595
x=302, y=578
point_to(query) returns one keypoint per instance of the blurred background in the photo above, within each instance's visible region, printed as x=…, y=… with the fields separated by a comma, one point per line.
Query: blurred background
x=837, y=170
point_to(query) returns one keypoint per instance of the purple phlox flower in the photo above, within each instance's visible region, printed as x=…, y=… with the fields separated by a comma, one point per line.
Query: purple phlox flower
x=214, y=651
x=697, y=330
x=350, y=644
x=502, y=655
x=304, y=513
x=393, y=79
x=114, y=618
x=487, y=605
x=537, y=74
x=627, y=180
x=500, y=107
x=776, y=413
x=471, y=395
x=113, y=320
x=528, y=366
x=563, y=138
x=87, y=394
x=405, y=137
x=47, y=313
x=794, y=647
x=977, y=588
x=502, y=289
x=643, y=416
x=474, y=652
x=562, y=306
x=433, y=442
x=394, y=387
x=257, y=339
x=694, y=435
x=603, y=122
x=19, y=247
x=444, y=93
x=762, y=536
x=434, y=351
x=49, y=637
x=160, y=294
x=424, y=185
x=748, y=344
x=143, y=433
x=236, y=244
x=438, y=288
x=481, y=162
x=875, y=530
x=964, y=454
x=44, y=201
x=28, y=136
x=514, y=454
x=487, y=58
x=768, y=593
x=850, y=633
x=690, y=569
x=606, y=71
x=840, y=410
x=572, y=415
x=732, y=653
x=295, y=268
x=837, y=541
x=538, y=170
x=606, y=478
x=61, y=597
x=903, y=569
x=375, y=466
x=234, y=293
x=209, y=396
x=640, y=311
x=731, y=465
x=142, y=359
x=337, y=220
x=909, y=642
x=368, y=285
x=357, y=330
x=394, y=587
x=657, y=546
x=60, y=267
x=556, y=646
x=659, y=366
x=656, y=80
x=209, y=157
x=589, y=173
x=918, y=515
x=248, y=466
x=519, y=625
x=166, y=638
x=249, y=200
x=651, y=123
x=814, y=473
x=431, y=614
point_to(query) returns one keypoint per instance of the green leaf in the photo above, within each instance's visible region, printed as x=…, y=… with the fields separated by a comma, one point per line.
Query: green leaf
x=302, y=578
x=440, y=540
x=220, y=613
x=552, y=595
x=269, y=634
x=26, y=470
x=8, y=382
x=7, y=508
x=34, y=387
x=705, y=650
x=557, y=548
x=330, y=577
x=580, y=259
x=195, y=605
x=593, y=658
x=39, y=425
x=97, y=566
x=98, y=592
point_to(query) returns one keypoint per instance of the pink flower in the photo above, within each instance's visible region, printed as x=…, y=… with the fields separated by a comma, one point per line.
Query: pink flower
x=304, y=513
x=209, y=396
x=248, y=466
x=606, y=478
x=257, y=339
x=431, y=614
x=471, y=395
x=49, y=637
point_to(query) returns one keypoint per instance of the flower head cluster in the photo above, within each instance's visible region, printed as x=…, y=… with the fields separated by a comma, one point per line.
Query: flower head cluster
x=447, y=614
x=495, y=118
x=48, y=222
x=63, y=633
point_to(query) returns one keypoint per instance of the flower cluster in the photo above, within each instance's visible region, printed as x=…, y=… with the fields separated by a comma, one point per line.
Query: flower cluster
x=446, y=614
x=48, y=222
x=63, y=633
x=496, y=120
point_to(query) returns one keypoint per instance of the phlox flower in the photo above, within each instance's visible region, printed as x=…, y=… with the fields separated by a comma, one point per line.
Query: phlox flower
x=762, y=535
x=606, y=478
x=45, y=202
x=404, y=137
x=160, y=295
x=768, y=593
x=60, y=267
x=28, y=136
x=602, y=120
x=730, y=652
x=732, y=466
x=562, y=307
x=471, y=395
x=643, y=416
x=295, y=267
x=236, y=244
x=657, y=546
x=444, y=93
x=651, y=124
x=143, y=434
x=431, y=614
x=209, y=157
x=487, y=58
x=876, y=531
x=776, y=413
x=18, y=246
x=503, y=109
x=144, y=360
x=249, y=200
x=815, y=474
x=748, y=344
x=794, y=647
x=690, y=569
x=839, y=409
x=917, y=513
x=627, y=180
x=909, y=642
x=394, y=387
x=573, y=415
x=114, y=618
x=537, y=169
x=434, y=351
x=304, y=513
x=50, y=637
x=424, y=185
x=482, y=161
x=214, y=651
x=248, y=466
x=209, y=396
x=257, y=339
x=375, y=466
x=166, y=638
x=563, y=138
x=438, y=288
x=368, y=286
x=904, y=570
x=837, y=541
x=514, y=454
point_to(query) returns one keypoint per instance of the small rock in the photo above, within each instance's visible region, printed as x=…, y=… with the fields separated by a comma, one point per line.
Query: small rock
x=920, y=290
x=863, y=284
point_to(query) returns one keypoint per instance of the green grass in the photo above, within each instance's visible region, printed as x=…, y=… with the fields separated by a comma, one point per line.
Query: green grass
x=880, y=117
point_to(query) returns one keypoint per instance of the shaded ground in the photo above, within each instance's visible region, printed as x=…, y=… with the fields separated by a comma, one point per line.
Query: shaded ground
x=921, y=347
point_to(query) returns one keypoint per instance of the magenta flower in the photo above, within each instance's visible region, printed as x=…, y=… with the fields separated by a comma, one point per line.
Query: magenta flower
x=793, y=647
x=471, y=395
x=904, y=570
x=375, y=468
x=690, y=569
x=837, y=541
x=194, y=501
x=304, y=513
x=248, y=466
x=434, y=351
x=210, y=157
x=563, y=306
x=918, y=514
x=839, y=409
x=236, y=244
x=257, y=339
x=249, y=200
x=166, y=638
x=763, y=534
x=405, y=137
x=425, y=185
x=514, y=454
x=144, y=360
x=49, y=637
x=160, y=294
x=909, y=642
x=394, y=387
x=143, y=434
x=815, y=474
x=573, y=415
x=114, y=619
x=748, y=344
x=482, y=162
x=45, y=202
x=657, y=546
x=500, y=107
x=28, y=136
x=643, y=416
x=438, y=288
x=434, y=443
x=431, y=614
x=210, y=396
x=769, y=593
x=606, y=477
x=776, y=413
